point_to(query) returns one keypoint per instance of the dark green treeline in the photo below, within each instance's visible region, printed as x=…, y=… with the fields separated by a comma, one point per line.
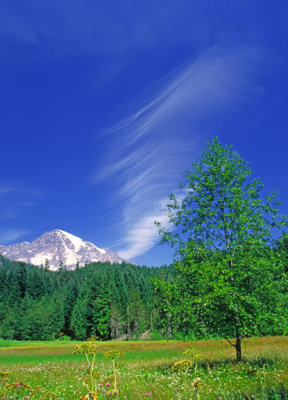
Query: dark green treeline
x=111, y=301
x=102, y=299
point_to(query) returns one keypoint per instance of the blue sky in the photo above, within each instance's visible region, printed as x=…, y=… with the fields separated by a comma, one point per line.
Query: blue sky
x=104, y=105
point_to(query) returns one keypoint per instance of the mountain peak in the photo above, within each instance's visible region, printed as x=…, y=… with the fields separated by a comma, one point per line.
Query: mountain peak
x=59, y=247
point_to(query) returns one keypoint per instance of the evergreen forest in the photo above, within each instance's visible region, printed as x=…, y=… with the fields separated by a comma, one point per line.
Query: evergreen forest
x=110, y=301
x=106, y=300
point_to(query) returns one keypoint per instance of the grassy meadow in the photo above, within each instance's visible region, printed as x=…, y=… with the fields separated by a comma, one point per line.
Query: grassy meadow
x=50, y=370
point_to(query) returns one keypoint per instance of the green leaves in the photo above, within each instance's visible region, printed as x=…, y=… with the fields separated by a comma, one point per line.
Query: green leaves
x=227, y=271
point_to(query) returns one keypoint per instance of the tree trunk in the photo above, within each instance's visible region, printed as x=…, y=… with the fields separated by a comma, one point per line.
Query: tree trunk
x=238, y=346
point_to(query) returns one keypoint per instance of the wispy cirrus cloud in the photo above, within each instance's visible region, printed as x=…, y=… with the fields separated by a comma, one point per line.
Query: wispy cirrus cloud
x=11, y=235
x=19, y=188
x=39, y=30
x=6, y=189
x=142, y=235
x=154, y=145
x=14, y=198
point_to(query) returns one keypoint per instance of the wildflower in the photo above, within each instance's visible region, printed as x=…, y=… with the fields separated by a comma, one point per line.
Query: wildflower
x=96, y=374
x=87, y=396
x=191, y=354
x=18, y=384
x=108, y=384
x=148, y=394
x=181, y=365
x=4, y=373
x=196, y=383
x=115, y=392
x=88, y=347
x=112, y=354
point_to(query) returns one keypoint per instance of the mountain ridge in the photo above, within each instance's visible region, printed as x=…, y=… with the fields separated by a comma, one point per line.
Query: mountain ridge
x=59, y=248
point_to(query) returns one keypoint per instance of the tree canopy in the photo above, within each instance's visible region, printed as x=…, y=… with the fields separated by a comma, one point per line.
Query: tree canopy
x=229, y=278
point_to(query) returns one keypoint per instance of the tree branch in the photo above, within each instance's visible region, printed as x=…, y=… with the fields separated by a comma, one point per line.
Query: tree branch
x=234, y=345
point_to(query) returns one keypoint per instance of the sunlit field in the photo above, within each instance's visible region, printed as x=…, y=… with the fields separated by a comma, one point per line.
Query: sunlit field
x=50, y=370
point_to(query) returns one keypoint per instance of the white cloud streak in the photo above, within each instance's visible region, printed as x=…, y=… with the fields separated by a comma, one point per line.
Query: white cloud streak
x=11, y=235
x=5, y=190
x=13, y=199
x=153, y=146
x=146, y=233
x=44, y=30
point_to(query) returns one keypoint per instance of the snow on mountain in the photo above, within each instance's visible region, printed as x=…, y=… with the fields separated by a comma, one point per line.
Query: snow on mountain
x=58, y=248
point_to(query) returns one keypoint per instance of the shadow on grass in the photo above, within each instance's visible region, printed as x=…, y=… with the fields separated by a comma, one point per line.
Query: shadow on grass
x=247, y=363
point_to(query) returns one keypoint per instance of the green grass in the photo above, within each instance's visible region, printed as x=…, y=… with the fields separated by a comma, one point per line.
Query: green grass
x=53, y=372
x=18, y=343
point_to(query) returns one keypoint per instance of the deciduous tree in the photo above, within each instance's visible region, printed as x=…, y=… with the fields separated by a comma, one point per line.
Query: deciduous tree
x=223, y=233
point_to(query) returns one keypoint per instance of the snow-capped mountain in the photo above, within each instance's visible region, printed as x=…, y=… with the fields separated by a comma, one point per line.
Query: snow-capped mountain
x=59, y=248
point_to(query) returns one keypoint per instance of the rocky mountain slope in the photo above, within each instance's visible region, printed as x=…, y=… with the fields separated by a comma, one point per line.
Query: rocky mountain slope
x=58, y=248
